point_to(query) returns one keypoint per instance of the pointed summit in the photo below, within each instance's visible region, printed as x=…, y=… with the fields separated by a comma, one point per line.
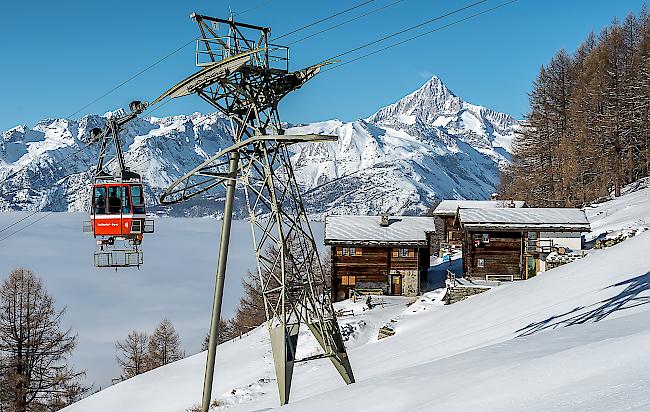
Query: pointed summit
x=428, y=102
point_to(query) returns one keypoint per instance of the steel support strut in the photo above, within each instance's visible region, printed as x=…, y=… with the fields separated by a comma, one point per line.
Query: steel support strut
x=218, y=289
x=244, y=76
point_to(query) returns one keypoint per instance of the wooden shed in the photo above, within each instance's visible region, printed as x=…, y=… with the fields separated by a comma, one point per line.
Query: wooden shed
x=378, y=255
x=513, y=244
x=449, y=236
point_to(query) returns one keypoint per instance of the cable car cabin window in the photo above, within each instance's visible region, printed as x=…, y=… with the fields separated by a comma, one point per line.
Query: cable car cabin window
x=114, y=200
x=138, y=201
x=126, y=200
x=99, y=201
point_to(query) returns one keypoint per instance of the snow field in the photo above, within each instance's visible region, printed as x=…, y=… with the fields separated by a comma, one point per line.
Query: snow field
x=573, y=338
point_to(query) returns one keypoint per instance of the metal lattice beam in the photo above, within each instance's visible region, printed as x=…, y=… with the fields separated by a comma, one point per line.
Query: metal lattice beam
x=245, y=77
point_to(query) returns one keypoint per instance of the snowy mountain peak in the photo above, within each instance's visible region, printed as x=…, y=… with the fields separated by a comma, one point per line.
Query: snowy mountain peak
x=428, y=102
x=429, y=145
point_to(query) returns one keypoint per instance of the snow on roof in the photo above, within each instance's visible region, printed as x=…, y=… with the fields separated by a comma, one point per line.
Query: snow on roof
x=540, y=218
x=366, y=229
x=449, y=207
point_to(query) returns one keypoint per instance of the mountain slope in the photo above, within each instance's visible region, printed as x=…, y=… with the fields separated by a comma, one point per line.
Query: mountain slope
x=569, y=339
x=429, y=145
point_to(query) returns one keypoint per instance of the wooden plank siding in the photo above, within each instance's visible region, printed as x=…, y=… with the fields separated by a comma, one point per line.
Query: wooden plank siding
x=372, y=267
x=498, y=253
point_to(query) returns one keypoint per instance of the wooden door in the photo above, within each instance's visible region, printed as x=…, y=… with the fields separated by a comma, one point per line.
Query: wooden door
x=396, y=285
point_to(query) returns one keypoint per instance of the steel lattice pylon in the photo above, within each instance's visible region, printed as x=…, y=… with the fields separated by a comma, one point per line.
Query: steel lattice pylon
x=245, y=77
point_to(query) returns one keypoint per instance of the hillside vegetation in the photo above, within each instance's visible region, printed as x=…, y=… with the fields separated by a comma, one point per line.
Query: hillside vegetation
x=588, y=130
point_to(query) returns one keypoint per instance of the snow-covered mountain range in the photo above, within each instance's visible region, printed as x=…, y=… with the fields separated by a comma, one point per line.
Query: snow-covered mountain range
x=429, y=145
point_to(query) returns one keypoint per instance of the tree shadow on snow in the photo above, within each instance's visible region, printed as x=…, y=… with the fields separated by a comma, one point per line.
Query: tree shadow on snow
x=626, y=299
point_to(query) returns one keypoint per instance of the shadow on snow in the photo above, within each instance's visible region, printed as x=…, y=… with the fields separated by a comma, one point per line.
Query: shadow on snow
x=626, y=299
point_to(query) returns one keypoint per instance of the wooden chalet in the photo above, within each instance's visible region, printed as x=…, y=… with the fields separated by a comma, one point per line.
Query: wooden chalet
x=378, y=254
x=449, y=236
x=512, y=244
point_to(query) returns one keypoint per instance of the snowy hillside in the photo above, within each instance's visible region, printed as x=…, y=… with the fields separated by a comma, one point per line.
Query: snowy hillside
x=430, y=144
x=573, y=338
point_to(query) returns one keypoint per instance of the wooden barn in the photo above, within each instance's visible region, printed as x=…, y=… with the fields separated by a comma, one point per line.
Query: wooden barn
x=449, y=236
x=512, y=244
x=378, y=254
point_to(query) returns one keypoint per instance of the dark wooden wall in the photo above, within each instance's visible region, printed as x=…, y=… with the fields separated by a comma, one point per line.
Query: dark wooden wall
x=372, y=265
x=501, y=255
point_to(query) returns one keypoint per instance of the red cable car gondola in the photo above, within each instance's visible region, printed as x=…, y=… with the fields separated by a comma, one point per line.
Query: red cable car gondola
x=117, y=201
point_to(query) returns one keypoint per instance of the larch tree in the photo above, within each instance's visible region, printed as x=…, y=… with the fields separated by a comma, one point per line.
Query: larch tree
x=164, y=345
x=34, y=348
x=250, y=312
x=132, y=354
x=588, y=130
x=226, y=333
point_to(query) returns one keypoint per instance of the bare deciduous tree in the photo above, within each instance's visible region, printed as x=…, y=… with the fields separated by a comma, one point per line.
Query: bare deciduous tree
x=164, y=345
x=226, y=333
x=34, y=349
x=132, y=354
x=250, y=312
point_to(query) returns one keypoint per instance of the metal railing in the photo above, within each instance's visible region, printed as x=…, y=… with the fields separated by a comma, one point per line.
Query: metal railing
x=539, y=246
x=87, y=226
x=211, y=50
x=118, y=258
x=451, y=279
x=148, y=226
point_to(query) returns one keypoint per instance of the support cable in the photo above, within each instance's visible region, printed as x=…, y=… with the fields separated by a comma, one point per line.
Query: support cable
x=151, y=66
x=322, y=20
x=442, y=16
x=287, y=34
x=26, y=226
x=262, y=4
x=345, y=22
x=421, y=35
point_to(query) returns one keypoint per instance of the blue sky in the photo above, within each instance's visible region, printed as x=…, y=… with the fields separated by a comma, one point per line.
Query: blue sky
x=59, y=56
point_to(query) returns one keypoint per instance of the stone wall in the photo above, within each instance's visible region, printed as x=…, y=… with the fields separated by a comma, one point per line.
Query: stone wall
x=439, y=236
x=410, y=283
x=458, y=293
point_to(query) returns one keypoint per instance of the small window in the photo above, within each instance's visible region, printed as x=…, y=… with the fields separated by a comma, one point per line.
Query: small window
x=99, y=201
x=138, y=200
x=348, y=280
x=485, y=237
x=126, y=201
x=480, y=263
x=114, y=200
x=346, y=251
x=403, y=252
x=353, y=251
